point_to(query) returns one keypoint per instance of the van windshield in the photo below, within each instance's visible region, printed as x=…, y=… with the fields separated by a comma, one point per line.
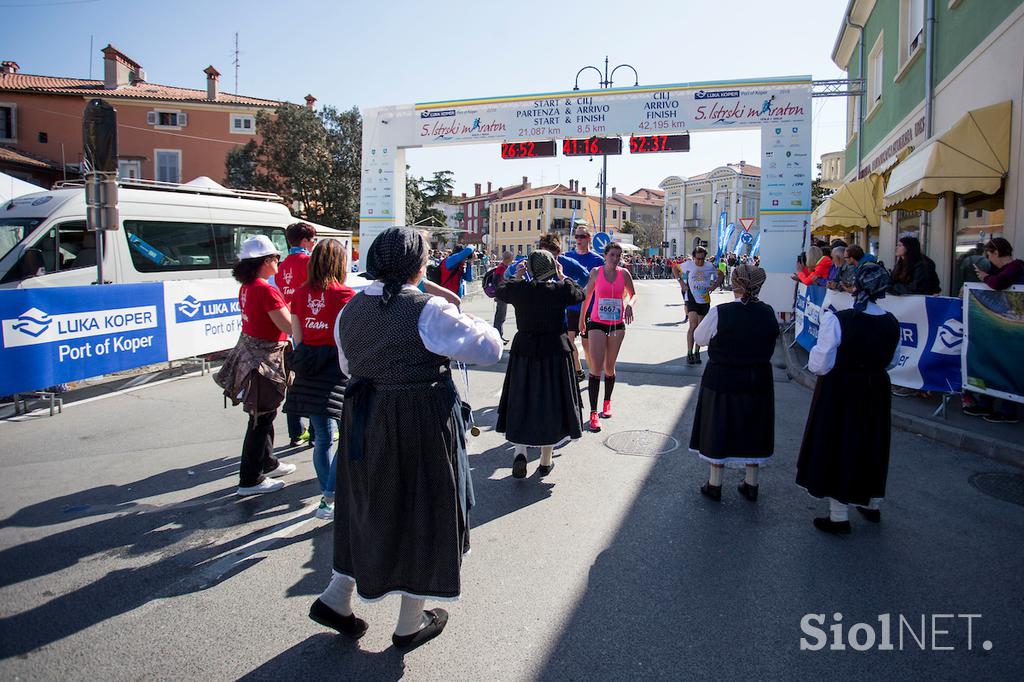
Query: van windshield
x=13, y=231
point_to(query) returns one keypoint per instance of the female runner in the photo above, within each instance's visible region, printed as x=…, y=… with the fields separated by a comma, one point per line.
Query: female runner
x=612, y=291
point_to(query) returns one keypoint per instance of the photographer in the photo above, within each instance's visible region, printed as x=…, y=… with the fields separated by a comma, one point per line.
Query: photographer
x=457, y=269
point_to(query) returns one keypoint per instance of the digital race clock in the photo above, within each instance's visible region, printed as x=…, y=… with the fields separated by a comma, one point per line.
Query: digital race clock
x=592, y=146
x=527, y=150
x=643, y=144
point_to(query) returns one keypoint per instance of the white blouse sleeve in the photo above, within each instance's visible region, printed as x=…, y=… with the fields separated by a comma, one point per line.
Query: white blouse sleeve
x=707, y=328
x=342, y=360
x=448, y=332
x=823, y=355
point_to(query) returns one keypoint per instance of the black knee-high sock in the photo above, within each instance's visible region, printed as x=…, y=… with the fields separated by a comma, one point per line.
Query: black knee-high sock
x=609, y=384
x=593, y=386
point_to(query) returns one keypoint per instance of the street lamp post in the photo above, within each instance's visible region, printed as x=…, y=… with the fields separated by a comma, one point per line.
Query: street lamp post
x=605, y=83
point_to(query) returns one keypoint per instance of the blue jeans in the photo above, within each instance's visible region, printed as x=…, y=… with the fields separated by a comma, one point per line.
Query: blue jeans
x=324, y=460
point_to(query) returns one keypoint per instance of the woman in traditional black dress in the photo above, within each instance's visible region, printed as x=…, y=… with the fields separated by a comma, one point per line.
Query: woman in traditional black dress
x=734, y=424
x=404, y=489
x=854, y=350
x=540, y=401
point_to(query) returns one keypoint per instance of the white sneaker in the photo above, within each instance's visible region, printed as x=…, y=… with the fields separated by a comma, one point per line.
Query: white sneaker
x=283, y=469
x=267, y=485
x=325, y=510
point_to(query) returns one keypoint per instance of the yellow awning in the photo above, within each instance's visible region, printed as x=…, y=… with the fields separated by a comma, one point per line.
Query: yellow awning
x=971, y=157
x=853, y=207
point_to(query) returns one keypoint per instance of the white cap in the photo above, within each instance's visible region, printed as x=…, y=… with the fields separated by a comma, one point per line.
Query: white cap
x=257, y=247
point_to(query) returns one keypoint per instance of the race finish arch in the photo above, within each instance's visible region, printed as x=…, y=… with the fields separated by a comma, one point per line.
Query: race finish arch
x=780, y=107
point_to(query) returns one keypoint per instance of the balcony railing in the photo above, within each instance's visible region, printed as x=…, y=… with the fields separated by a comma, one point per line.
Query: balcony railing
x=693, y=223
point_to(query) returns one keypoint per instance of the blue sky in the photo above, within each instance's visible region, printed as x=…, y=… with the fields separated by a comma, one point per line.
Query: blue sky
x=393, y=52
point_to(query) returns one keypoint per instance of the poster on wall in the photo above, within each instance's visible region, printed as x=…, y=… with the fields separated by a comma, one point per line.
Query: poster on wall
x=993, y=359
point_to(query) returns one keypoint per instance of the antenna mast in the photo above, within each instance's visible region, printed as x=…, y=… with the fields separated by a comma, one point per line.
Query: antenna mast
x=236, y=62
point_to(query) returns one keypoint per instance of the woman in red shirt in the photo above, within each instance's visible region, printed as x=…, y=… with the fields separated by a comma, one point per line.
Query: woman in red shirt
x=822, y=266
x=253, y=373
x=319, y=387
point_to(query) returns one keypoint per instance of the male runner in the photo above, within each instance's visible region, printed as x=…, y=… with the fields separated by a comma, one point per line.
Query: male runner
x=583, y=255
x=697, y=280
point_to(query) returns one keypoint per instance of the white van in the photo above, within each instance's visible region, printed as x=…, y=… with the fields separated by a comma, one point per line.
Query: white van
x=167, y=232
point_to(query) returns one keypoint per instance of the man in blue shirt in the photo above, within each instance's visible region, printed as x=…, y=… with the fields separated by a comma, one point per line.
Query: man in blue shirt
x=457, y=269
x=589, y=260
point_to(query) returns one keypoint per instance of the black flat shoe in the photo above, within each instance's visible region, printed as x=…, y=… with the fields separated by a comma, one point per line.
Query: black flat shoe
x=712, y=491
x=696, y=357
x=834, y=527
x=581, y=375
x=348, y=625
x=543, y=470
x=690, y=360
x=438, y=619
x=748, y=491
x=872, y=515
x=519, y=467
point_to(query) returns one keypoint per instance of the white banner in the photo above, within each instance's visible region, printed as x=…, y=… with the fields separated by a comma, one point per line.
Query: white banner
x=202, y=316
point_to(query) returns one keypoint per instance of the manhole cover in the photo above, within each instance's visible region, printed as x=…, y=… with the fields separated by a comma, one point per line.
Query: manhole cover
x=641, y=443
x=1005, y=487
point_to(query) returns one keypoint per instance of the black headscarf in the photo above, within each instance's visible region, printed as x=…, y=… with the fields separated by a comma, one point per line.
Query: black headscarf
x=871, y=282
x=394, y=257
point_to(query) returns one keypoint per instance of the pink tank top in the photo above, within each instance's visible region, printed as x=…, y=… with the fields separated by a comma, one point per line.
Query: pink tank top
x=607, y=306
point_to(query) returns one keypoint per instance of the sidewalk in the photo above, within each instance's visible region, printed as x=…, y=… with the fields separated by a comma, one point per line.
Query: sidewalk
x=1003, y=442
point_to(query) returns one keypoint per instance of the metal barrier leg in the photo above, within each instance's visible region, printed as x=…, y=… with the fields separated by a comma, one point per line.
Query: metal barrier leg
x=940, y=411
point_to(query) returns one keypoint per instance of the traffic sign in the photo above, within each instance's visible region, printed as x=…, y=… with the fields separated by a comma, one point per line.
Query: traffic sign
x=746, y=237
x=747, y=223
x=601, y=241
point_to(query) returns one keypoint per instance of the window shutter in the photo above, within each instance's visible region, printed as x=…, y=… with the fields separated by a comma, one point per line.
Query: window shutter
x=183, y=119
x=151, y=118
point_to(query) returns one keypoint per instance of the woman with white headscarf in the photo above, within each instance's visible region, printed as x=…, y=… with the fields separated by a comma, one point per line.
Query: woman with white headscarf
x=852, y=398
x=734, y=423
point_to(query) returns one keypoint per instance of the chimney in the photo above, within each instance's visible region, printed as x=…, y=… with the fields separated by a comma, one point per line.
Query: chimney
x=526, y=182
x=488, y=187
x=118, y=69
x=9, y=67
x=310, y=102
x=614, y=191
x=463, y=195
x=476, y=188
x=212, y=82
x=583, y=191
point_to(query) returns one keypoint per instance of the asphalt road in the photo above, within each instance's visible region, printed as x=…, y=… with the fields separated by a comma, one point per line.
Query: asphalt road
x=125, y=555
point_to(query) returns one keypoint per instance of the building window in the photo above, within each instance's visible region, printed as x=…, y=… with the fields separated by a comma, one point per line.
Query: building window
x=168, y=165
x=696, y=210
x=615, y=214
x=167, y=118
x=529, y=225
x=129, y=169
x=520, y=225
x=874, y=80
x=911, y=28
x=43, y=138
x=244, y=124
x=519, y=249
x=8, y=122
x=520, y=206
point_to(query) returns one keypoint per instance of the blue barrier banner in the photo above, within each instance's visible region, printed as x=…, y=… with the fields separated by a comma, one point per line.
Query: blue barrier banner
x=52, y=336
x=931, y=334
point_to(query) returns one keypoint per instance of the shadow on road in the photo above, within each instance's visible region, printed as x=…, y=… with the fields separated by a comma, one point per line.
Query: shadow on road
x=331, y=657
x=185, y=538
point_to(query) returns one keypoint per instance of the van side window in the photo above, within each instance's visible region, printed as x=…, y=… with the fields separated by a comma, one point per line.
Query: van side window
x=157, y=246
x=230, y=238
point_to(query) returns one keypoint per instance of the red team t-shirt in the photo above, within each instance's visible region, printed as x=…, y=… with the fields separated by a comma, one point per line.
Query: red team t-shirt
x=257, y=299
x=292, y=274
x=317, y=310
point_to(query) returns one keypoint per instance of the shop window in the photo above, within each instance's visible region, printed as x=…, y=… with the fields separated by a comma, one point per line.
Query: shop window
x=973, y=227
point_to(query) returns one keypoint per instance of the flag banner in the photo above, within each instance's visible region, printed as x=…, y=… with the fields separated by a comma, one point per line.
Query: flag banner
x=931, y=334
x=993, y=358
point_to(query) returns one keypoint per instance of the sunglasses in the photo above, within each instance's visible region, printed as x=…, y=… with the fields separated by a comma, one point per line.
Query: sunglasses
x=583, y=236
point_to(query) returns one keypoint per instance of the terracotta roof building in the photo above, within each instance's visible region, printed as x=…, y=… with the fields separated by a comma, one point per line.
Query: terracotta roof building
x=165, y=132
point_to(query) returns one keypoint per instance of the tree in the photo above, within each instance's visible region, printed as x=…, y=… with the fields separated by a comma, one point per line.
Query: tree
x=413, y=198
x=819, y=192
x=645, y=235
x=311, y=159
x=439, y=187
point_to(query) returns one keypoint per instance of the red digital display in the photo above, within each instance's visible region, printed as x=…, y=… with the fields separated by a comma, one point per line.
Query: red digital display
x=527, y=150
x=592, y=146
x=645, y=144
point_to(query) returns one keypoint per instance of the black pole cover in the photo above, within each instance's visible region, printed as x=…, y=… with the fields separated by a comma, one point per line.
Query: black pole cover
x=99, y=136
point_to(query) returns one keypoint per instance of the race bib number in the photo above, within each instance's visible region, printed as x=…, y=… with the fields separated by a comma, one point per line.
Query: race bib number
x=609, y=309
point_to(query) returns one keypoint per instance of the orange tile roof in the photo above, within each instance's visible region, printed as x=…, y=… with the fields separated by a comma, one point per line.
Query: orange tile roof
x=11, y=155
x=633, y=200
x=79, y=87
x=648, y=191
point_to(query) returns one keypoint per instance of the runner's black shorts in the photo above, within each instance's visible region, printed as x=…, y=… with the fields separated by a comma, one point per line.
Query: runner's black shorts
x=606, y=327
x=701, y=309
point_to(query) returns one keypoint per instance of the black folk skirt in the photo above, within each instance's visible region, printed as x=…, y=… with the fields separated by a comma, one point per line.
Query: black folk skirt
x=845, y=451
x=734, y=423
x=401, y=515
x=540, y=400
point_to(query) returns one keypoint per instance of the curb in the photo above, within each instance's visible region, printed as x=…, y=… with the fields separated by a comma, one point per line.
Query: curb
x=992, y=448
